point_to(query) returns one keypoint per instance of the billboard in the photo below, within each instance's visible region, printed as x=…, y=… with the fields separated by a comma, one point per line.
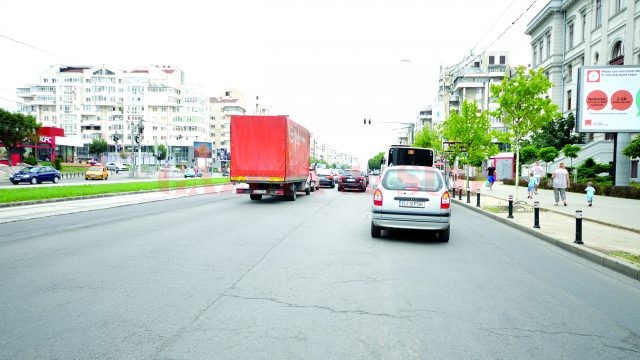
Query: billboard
x=608, y=99
x=202, y=149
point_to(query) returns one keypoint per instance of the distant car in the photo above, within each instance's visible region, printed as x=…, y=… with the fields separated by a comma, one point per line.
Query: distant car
x=366, y=177
x=192, y=173
x=325, y=177
x=336, y=174
x=117, y=167
x=411, y=197
x=314, y=181
x=97, y=171
x=35, y=175
x=352, y=179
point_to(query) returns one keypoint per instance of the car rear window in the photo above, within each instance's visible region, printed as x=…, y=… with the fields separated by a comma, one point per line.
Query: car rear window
x=351, y=173
x=412, y=179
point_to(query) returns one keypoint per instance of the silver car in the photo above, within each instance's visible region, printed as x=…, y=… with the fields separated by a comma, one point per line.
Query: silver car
x=411, y=197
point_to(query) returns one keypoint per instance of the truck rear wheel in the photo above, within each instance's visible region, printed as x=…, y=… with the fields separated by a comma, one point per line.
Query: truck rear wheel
x=256, y=197
x=292, y=192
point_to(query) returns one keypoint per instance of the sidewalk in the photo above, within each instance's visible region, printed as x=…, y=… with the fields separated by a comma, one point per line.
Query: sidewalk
x=611, y=224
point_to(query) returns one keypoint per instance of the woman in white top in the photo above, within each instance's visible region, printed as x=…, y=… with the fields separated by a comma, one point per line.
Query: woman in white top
x=560, y=183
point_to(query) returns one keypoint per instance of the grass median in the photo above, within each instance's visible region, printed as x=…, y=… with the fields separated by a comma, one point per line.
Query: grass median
x=30, y=193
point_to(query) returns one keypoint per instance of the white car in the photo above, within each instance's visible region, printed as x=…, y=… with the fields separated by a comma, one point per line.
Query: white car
x=411, y=197
x=114, y=166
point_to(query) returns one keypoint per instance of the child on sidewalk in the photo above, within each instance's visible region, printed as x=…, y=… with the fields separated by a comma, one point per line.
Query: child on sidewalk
x=590, y=193
x=531, y=186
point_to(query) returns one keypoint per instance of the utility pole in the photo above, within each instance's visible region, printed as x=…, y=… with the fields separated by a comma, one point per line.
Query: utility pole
x=140, y=131
x=133, y=149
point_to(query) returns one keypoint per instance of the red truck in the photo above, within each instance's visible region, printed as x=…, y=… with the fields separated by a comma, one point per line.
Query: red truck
x=269, y=156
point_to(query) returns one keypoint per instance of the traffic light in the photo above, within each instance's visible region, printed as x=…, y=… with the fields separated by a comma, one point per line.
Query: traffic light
x=367, y=121
x=137, y=139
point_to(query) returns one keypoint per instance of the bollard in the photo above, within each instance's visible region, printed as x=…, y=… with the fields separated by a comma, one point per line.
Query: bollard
x=478, y=198
x=468, y=196
x=510, y=207
x=460, y=194
x=536, y=214
x=578, y=227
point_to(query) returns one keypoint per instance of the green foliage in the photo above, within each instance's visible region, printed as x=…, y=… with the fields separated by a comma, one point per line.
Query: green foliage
x=571, y=151
x=375, y=162
x=524, y=106
x=98, y=146
x=548, y=154
x=470, y=128
x=15, y=128
x=30, y=160
x=558, y=133
x=528, y=154
x=633, y=149
x=591, y=171
x=161, y=152
x=57, y=164
x=428, y=138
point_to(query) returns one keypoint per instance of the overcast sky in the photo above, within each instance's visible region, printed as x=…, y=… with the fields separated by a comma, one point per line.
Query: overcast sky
x=328, y=63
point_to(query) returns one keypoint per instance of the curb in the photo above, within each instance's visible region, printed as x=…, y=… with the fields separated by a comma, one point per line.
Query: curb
x=605, y=260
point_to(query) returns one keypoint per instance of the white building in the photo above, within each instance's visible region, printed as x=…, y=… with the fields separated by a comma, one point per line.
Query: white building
x=91, y=102
x=567, y=34
x=220, y=110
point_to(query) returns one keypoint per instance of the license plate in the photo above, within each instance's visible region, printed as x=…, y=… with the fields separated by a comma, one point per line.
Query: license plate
x=351, y=180
x=259, y=191
x=411, y=204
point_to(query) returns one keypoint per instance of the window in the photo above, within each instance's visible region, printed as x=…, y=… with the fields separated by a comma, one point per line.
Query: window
x=535, y=56
x=569, y=73
x=596, y=57
x=492, y=60
x=503, y=60
x=618, y=5
x=540, y=53
x=570, y=36
x=548, y=44
x=583, y=29
x=598, y=13
x=569, y=104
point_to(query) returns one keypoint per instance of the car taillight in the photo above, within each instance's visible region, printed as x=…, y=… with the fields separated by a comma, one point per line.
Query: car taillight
x=445, y=201
x=360, y=179
x=343, y=178
x=377, y=197
x=329, y=177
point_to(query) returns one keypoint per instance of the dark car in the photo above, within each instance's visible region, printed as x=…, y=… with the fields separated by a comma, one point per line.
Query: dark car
x=325, y=177
x=352, y=179
x=35, y=175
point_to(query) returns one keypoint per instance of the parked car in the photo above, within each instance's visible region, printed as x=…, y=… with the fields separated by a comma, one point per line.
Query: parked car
x=411, y=197
x=117, y=167
x=352, y=179
x=35, y=175
x=325, y=177
x=97, y=171
x=314, y=181
x=192, y=173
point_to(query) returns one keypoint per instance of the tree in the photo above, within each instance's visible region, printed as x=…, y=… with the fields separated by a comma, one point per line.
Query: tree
x=161, y=152
x=470, y=129
x=633, y=149
x=98, y=146
x=428, y=138
x=548, y=154
x=524, y=107
x=16, y=128
x=375, y=162
x=528, y=153
x=558, y=133
x=571, y=151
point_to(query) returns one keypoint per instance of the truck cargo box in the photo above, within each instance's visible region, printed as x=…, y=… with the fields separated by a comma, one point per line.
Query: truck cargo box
x=268, y=148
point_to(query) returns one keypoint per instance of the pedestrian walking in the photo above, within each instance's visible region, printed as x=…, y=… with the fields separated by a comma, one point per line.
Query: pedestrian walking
x=536, y=169
x=531, y=186
x=560, y=183
x=591, y=191
x=491, y=176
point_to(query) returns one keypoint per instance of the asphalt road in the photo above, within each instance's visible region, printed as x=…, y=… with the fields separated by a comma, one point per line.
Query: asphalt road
x=218, y=276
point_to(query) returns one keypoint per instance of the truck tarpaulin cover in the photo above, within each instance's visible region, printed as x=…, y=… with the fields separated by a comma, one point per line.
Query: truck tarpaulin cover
x=268, y=148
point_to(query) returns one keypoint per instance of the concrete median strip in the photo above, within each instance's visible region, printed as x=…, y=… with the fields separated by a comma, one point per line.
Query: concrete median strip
x=559, y=230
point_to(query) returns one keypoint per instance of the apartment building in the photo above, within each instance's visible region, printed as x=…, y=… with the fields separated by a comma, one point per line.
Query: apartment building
x=220, y=110
x=471, y=80
x=91, y=102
